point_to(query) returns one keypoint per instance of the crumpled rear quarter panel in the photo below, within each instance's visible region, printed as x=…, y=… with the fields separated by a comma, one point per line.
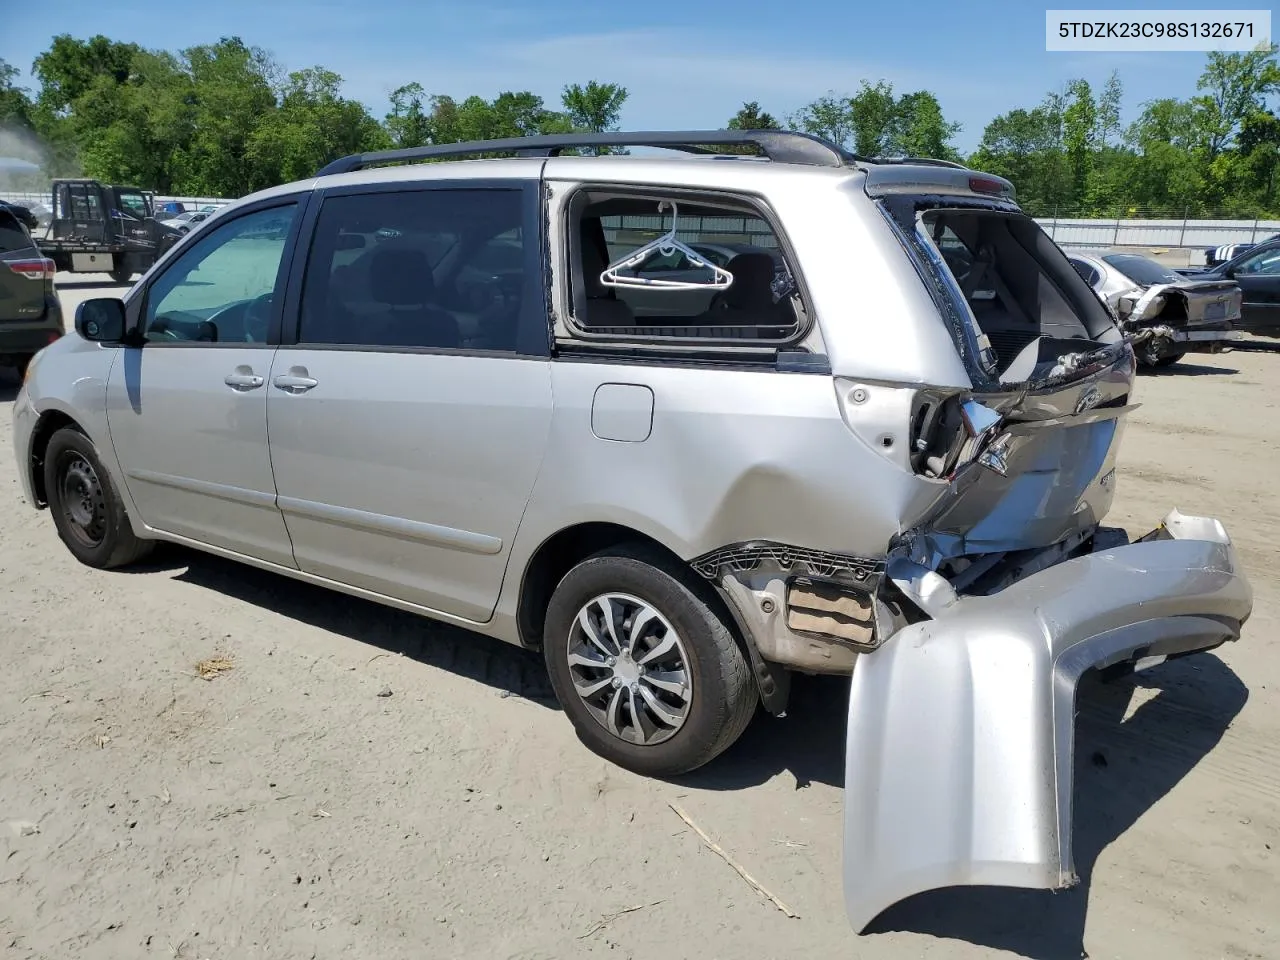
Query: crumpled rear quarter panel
x=733, y=455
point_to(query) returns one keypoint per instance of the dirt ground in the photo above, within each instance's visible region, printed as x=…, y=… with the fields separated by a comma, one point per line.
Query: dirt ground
x=288, y=808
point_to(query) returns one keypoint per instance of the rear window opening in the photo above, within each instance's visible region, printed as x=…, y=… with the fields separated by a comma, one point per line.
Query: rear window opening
x=1019, y=289
x=726, y=279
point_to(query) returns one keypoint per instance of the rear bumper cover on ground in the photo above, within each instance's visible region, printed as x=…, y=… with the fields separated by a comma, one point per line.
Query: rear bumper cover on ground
x=961, y=728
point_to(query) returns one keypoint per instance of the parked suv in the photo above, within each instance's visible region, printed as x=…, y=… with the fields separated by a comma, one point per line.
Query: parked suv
x=30, y=315
x=878, y=439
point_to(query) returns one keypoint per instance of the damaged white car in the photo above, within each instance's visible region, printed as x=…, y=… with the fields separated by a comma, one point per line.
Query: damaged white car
x=1166, y=314
x=879, y=439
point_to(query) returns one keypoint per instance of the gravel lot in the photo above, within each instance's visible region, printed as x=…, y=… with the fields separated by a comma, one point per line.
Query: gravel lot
x=285, y=809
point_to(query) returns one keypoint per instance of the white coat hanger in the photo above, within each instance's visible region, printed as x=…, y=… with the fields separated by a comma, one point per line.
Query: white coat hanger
x=665, y=245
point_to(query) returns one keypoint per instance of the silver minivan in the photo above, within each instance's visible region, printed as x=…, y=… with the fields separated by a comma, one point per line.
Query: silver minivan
x=687, y=424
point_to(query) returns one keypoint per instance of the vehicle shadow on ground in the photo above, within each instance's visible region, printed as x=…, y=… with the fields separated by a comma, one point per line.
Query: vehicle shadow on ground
x=502, y=666
x=808, y=742
x=1185, y=369
x=1122, y=769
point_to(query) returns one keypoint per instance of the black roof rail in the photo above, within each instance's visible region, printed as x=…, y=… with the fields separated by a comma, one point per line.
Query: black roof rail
x=780, y=146
x=926, y=161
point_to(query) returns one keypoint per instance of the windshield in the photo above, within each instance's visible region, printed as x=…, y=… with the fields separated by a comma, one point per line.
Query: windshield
x=1141, y=269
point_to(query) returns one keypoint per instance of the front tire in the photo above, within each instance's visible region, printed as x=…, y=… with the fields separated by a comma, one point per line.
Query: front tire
x=87, y=510
x=643, y=664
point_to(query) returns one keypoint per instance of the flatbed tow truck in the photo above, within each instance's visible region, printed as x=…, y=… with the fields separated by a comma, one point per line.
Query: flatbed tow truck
x=104, y=228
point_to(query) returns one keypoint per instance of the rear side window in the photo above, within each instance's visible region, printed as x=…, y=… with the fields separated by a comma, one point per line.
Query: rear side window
x=1266, y=263
x=654, y=267
x=432, y=269
x=1087, y=273
x=13, y=235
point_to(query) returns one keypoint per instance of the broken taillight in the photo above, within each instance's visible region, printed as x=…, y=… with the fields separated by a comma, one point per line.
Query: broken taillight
x=33, y=268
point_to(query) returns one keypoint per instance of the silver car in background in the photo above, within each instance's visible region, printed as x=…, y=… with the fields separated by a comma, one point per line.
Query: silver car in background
x=870, y=430
x=1166, y=314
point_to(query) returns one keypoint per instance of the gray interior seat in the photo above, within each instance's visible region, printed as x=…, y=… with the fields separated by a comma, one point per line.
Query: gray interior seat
x=401, y=280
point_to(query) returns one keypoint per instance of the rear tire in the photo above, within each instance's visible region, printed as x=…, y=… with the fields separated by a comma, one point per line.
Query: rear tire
x=20, y=364
x=87, y=510
x=1151, y=356
x=121, y=274
x=664, y=691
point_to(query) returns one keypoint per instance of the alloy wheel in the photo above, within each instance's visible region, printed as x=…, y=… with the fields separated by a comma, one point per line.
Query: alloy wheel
x=630, y=668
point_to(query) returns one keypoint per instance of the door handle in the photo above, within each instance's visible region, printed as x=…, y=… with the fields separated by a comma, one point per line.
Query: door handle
x=291, y=383
x=243, y=381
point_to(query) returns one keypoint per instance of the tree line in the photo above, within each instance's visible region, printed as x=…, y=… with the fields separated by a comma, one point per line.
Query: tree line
x=224, y=119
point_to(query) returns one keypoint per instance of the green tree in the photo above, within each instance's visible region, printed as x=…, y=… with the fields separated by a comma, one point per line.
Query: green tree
x=15, y=105
x=873, y=112
x=408, y=124
x=70, y=67
x=1236, y=85
x=1025, y=147
x=1079, y=128
x=874, y=122
x=829, y=117
x=1108, y=113
x=313, y=126
x=596, y=108
x=918, y=129
x=751, y=117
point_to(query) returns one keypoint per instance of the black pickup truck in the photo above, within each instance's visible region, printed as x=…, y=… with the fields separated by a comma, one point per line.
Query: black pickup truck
x=104, y=228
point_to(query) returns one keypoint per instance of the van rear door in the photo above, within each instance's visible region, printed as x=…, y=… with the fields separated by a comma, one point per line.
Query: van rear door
x=1050, y=369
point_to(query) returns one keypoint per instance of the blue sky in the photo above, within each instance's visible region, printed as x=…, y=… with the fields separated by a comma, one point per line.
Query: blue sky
x=686, y=64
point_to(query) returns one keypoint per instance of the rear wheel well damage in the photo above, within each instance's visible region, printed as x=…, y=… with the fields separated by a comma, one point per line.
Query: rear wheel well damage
x=48, y=424
x=563, y=551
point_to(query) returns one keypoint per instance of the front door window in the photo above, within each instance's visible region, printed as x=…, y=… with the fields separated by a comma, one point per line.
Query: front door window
x=220, y=289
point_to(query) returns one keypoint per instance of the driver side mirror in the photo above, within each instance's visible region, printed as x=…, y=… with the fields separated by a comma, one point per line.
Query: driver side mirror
x=101, y=320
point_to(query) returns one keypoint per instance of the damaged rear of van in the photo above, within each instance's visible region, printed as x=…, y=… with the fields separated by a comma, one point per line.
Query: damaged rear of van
x=999, y=591
x=688, y=426
x=902, y=477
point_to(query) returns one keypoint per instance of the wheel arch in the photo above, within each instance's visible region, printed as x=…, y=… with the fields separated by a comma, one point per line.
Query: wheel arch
x=560, y=553
x=565, y=549
x=49, y=423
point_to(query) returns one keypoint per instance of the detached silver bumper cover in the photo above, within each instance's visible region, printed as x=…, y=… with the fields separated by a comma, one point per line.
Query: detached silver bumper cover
x=961, y=728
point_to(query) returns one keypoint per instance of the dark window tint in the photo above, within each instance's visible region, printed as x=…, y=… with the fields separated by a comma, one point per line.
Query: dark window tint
x=1087, y=273
x=421, y=268
x=13, y=235
x=1141, y=270
x=77, y=201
